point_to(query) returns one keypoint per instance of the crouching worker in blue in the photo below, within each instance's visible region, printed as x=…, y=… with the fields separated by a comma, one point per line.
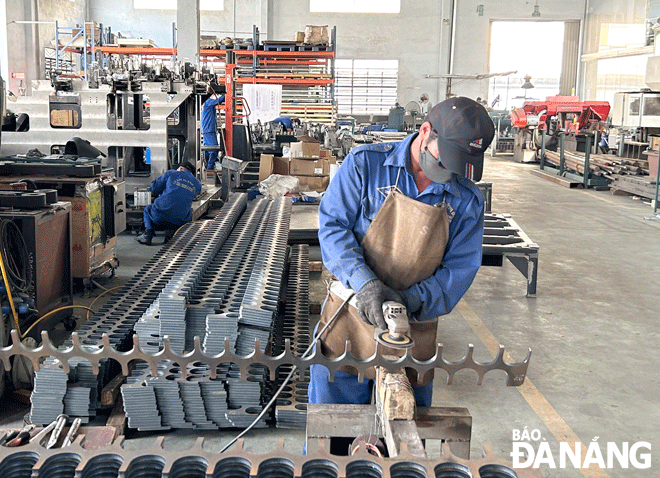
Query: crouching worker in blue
x=176, y=190
x=401, y=222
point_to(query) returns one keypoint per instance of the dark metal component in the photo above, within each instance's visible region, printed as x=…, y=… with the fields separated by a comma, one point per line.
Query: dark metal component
x=23, y=199
x=101, y=466
x=407, y=470
x=504, y=238
x=452, y=470
x=48, y=169
x=156, y=462
x=496, y=471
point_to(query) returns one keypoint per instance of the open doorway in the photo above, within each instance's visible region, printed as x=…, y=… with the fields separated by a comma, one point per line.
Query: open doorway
x=514, y=45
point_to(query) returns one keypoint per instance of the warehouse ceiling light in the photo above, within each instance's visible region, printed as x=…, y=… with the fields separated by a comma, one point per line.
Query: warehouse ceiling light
x=528, y=84
x=536, y=13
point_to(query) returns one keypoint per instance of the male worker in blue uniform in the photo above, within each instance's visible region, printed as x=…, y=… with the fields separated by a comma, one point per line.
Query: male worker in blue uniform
x=176, y=190
x=210, y=128
x=401, y=222
x=286, y=122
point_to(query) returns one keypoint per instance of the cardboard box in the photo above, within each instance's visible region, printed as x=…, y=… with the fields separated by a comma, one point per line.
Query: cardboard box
x=325, y=153
x=314, y=183
x=311, y=167
x=306, y=147
x=305, y=167
x=299, y=37
x=316, y=35
x=270, y=164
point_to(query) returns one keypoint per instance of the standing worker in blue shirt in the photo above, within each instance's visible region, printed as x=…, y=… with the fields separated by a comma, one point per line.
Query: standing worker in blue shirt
x=176, y=190
x=402, y=222
x=210, y=128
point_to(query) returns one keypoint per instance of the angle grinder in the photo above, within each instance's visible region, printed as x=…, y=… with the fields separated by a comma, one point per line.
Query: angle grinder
x=398, y=334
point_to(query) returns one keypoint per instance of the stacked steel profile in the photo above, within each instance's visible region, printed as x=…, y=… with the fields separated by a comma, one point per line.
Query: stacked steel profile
x=291, y=409
x=218, y=280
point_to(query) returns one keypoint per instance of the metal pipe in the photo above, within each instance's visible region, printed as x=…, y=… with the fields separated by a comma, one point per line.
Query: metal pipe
x=562, y=135
x=587, y=155
x=57, y=46
x=543, y=134
x=657, y=186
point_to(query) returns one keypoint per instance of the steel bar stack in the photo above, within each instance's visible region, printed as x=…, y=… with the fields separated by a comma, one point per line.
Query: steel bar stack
x=599, y=164
x=291, y=410
x=118, y=318
x=232, y=302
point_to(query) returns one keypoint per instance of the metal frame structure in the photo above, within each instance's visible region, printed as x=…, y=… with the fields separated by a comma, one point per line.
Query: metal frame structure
x=96, y=126
x=504, y=238
x=35, y=461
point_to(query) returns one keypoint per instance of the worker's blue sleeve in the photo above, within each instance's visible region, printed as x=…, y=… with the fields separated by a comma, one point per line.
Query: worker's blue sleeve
x=284, y=121
x=209, y=122
x=338, y=211
x=158, y=184
x=213, y=101
x=440, y=293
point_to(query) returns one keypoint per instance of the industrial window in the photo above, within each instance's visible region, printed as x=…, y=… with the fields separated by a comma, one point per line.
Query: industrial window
x=355, y=6
x=214, y=5
x=366, y=86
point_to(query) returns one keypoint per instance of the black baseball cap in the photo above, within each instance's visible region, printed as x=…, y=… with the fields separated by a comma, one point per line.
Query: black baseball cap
x=464, y=131
x=189, y=166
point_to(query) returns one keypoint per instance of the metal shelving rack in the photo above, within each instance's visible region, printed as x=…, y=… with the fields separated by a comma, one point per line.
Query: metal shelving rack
x=89, y=44
x=307, y=78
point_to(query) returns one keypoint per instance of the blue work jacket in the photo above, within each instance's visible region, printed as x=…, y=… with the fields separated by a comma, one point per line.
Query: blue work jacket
x=350, y=205
x=209, y=118
x=177, y=190
x=285, y=121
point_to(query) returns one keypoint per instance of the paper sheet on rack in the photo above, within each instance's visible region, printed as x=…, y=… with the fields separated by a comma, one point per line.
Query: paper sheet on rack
x=265, y=101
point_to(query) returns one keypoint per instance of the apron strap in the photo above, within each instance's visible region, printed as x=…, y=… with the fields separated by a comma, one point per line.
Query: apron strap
x=385, y=190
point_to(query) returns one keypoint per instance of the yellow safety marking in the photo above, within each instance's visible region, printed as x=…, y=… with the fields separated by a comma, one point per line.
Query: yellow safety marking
x=546, y=412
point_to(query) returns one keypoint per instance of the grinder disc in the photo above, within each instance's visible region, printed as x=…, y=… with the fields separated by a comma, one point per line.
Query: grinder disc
x=402, y=342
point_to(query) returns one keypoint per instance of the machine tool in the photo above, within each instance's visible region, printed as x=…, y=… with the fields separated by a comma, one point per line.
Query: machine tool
x=554, y=114
x=397, y=334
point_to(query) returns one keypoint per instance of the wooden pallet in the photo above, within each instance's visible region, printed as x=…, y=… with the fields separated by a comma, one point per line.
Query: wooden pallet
x=299, y=76
x=316, y=113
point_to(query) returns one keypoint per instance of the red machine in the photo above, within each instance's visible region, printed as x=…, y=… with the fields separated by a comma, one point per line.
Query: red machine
x=565, y=112
x=555, y=114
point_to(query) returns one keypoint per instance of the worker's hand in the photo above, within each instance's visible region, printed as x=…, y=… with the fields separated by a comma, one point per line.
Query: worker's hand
x=370, y=300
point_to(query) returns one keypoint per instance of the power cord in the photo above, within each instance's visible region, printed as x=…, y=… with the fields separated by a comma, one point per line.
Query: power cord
x=288, y=377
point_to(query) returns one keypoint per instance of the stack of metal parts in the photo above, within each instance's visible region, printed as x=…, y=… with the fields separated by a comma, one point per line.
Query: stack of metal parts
x=118, y=319
x=34, y=461
x=235, y=293
x=291, y=409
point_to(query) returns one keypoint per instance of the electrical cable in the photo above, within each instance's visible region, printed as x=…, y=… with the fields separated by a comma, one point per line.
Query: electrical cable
x=99, y=296
x=14, y=252
x=288, y=377
x=43, y=317
x=11, y=299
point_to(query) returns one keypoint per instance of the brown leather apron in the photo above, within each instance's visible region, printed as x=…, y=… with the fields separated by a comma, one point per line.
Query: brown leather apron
x=403, y=245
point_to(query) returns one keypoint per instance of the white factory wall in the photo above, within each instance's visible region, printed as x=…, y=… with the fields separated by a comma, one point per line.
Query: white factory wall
x=414, y=37
x=418, y=36
x=238, y=16
x=471, y=55
x=614, y=30
x=25, y=43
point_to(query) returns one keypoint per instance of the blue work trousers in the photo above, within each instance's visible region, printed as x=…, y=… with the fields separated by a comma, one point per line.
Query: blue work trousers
x=210, y=139
x=152, y=219
x=346, y=389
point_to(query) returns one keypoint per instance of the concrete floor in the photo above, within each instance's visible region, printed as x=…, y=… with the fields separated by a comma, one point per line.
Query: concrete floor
x=592, y=327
